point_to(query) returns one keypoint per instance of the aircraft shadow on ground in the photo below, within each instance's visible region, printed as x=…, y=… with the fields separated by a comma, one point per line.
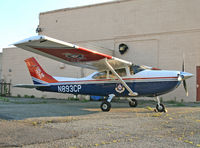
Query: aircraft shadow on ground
x=22, y=109
x=23, y=113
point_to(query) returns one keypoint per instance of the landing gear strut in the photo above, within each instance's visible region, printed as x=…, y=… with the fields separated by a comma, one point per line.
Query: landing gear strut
x=106, y=105
x=160, y=107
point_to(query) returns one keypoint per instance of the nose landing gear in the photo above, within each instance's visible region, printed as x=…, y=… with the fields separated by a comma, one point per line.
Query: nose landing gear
x=160, y=107
x=133, y=103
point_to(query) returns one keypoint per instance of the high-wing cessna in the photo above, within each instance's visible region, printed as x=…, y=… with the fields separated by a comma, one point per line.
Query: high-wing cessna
x=114, y=76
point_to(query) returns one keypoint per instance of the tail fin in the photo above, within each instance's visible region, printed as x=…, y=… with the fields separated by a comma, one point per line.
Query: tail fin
x=39, y=76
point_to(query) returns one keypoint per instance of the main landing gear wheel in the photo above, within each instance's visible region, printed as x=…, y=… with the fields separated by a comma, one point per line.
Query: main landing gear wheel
x=105, y=106
x=133, y=103
x=160, y=108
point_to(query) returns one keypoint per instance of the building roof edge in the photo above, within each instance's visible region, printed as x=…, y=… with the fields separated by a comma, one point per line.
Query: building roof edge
x=82, y=7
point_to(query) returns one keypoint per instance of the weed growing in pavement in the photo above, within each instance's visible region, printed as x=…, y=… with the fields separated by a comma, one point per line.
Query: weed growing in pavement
x=161, y=99
x=30, y=102
x=182, y=100
x=19, y=96
x=176, y=103
x=32, y=96
x=4, y=99
x=179, y=104
x=73, y=99
x=27, y=96
x=171, y=101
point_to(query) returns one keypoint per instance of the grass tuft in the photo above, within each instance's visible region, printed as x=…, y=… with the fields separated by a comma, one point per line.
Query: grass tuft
x=4, y=99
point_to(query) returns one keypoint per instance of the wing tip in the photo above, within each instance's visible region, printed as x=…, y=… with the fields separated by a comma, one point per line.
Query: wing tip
x=30, y=39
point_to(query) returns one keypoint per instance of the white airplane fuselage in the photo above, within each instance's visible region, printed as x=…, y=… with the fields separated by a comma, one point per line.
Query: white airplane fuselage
x=145, y=83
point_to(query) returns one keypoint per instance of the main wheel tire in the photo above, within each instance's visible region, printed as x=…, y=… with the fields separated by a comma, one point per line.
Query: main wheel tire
x=105, y=106
x=160, y=108
x=133, y=103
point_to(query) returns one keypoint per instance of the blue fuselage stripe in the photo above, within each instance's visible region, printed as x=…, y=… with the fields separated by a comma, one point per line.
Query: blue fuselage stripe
x=104, y=89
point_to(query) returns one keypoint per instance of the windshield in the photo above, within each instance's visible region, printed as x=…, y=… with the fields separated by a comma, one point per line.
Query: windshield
x=135, y=69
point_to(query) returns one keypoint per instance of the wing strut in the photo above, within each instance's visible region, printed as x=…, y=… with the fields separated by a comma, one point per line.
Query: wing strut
x=131, y=93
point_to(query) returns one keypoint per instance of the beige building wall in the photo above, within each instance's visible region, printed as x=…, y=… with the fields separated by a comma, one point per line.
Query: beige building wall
x=158, y=33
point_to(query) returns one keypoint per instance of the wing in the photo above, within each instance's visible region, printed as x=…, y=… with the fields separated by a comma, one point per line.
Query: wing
x=69, y=53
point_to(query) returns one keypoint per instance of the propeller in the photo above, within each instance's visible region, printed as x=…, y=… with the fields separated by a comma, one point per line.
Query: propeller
x=180, y=78
x=183, y=66
x=185, y=87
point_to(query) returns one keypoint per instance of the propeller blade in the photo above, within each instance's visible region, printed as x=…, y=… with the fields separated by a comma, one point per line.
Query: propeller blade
x=183, y=66
x=185, y=87
x=183, y=70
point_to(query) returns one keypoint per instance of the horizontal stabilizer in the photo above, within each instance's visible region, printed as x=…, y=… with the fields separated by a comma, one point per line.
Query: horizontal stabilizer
x=31, y=85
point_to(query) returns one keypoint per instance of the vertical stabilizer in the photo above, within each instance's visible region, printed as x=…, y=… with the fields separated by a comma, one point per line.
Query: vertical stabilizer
x=37, y=73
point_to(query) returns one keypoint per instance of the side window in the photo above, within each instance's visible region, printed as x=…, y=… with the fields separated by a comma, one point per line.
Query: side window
x=100, y=75
x=121, y=72
x=103, y=74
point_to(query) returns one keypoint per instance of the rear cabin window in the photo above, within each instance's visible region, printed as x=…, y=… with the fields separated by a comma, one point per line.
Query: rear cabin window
x=100, y=75
x=103, y=74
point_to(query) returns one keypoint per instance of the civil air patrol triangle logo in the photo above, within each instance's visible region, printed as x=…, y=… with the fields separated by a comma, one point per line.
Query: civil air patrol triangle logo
x=119, y=88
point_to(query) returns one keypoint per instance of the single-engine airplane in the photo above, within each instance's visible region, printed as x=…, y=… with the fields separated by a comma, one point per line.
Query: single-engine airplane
x=114, y=76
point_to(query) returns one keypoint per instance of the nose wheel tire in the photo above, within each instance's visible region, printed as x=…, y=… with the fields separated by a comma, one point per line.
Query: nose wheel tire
x=133, y=103
x=160, y=108
x=105, y=106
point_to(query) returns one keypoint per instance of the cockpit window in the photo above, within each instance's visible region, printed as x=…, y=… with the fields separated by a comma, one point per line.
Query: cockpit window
x=135, y=69
x=100, y=75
